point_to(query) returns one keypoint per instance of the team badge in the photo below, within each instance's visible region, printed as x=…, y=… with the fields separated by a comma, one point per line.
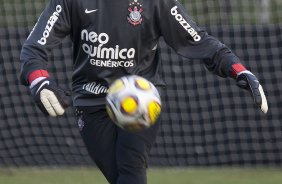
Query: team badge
x=80, y=124
x=135, y=9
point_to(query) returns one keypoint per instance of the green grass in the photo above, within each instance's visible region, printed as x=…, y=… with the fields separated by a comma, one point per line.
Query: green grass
x=155, y=176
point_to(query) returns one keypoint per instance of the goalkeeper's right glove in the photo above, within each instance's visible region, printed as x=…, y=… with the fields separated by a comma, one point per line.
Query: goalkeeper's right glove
x=50, y=99
x=247, y=80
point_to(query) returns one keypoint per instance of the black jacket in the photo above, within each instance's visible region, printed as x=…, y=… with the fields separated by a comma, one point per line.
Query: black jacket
x=113, y=38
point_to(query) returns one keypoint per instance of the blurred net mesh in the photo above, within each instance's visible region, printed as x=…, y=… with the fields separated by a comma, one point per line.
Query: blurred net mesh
x=206, y=120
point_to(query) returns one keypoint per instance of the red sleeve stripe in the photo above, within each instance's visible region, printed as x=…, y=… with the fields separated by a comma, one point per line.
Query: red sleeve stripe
x=237, y=68
x=37, y=73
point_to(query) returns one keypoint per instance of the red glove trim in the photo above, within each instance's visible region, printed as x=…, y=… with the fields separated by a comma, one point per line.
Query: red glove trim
x=37, y=73
x=237, y=68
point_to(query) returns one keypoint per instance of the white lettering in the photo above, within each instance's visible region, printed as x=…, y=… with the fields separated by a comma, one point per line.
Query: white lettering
x=84, y=34
x=92, y=37
x=102, y=56
x=121, y=53
x=50, y=24
x=192, y=32
x=106, y=38
x=131, y=53
x=58, y=9
x=111, y=64
x=108, y=53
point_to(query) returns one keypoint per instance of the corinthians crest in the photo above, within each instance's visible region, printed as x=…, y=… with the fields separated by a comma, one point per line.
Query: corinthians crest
x=135, y=9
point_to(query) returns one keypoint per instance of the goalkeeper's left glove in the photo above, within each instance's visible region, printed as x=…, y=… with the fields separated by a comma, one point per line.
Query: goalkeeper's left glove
x=247, y=80
x=51, y=99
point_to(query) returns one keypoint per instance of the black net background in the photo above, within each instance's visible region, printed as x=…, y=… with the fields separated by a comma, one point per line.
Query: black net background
x=206, y=120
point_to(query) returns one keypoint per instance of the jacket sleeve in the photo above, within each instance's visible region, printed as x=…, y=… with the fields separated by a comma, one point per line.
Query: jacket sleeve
x=52, y=26
x=190, y=41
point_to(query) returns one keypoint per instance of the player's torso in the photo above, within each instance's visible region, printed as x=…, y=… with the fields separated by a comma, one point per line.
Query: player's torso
x=113, y=34
x=112, y=38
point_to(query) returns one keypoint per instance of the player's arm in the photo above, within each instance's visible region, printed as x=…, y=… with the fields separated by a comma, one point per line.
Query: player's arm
x=53, y=25
x=190, y=41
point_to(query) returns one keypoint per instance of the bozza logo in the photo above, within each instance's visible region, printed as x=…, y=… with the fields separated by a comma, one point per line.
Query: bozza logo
x=49, y=26
x=103, y=56
x=192, y=32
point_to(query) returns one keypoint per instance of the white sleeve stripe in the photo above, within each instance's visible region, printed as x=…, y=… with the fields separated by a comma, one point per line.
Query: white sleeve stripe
x=36, y=81
x=245, y=71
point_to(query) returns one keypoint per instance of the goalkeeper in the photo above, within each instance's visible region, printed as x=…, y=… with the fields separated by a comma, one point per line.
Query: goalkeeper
x=112, y=39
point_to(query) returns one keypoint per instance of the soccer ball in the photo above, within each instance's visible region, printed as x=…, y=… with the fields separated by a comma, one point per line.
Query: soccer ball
x=133, y=103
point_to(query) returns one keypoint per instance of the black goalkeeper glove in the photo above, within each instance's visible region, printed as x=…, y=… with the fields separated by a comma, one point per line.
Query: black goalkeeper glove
x=248, y=81
x=50, y=99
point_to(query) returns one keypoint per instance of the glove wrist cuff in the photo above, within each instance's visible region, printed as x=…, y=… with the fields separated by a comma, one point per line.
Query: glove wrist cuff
x=237, y=69
x=37, y=74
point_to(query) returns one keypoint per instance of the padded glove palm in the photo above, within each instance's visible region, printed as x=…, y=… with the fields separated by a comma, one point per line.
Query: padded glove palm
x=50, y=99
x=248, y=81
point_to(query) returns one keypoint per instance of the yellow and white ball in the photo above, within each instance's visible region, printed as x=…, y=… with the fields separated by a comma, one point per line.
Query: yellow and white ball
x=133, y=103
